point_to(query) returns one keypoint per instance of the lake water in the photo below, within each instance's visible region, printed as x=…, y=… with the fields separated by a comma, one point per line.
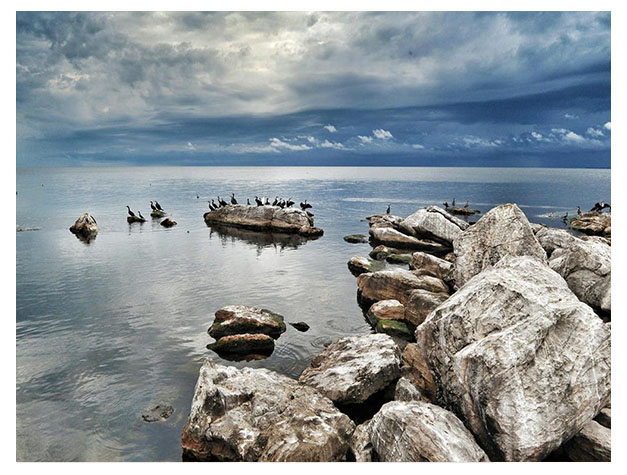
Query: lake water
x=107, y=329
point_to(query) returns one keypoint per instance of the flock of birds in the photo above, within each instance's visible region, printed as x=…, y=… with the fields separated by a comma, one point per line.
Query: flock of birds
x=453, y=204
x=598, y=207
x=263, y=201
x=155, y=207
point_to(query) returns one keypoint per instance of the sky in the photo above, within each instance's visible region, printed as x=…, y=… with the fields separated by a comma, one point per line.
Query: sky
x=328, y=88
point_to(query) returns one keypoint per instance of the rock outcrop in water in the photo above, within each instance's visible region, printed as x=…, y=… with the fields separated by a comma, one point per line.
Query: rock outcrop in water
x=264, y=218
x=360, y=265
x=433, y=223
x=595, y=223
x=258, y=415
x=85, y=227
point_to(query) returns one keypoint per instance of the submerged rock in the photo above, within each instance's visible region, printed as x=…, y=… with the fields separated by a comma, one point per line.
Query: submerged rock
x=360, y=265
x=519, y=358
x=593, y=223
x=259, y=415
x=237, y=319
x=417, y=431
x=592, y=444
x=158, y=413
x=158, y=214
x=502, y=231
x=396, y=284
x=168, y=223
x=85, y=227
x=300, y=326
x=355, y=238
x=433, y=223
x=353, y=369
x=264, y=218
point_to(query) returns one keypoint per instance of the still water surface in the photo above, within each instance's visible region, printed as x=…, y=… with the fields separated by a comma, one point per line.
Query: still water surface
x=107, y=329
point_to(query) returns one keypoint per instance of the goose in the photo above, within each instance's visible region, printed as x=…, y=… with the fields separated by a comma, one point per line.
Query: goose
x=130, y=213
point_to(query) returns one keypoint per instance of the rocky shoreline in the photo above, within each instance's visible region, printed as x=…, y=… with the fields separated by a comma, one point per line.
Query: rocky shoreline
x=492, y=342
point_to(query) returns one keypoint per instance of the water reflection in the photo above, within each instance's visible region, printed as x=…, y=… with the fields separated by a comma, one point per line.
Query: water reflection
x=260, y=239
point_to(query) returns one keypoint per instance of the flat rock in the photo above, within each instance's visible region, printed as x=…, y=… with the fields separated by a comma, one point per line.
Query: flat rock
x=593, y=223
x=235, y=319
x=381, y=252
x=426, y=264
x=399, y=258
x=360, y=265
x=420, y=303
x=259, y=415
x=396, y=284
x=519, y=358
x=592, y=444
x=355, y=238
x=502, y=231
x=244, y=343
x=158, y=413
x=264, y=218
x=85, y=227
x=391, y=237
x=462, y=211
x=352, y=369
x=417, y=431
x=386, y=310
x=434, y=223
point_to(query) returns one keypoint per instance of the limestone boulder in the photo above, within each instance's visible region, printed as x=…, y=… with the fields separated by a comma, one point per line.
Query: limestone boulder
x=394, y=238
x=426, y=264
x=396, y=284
x=434, y=223
x=420, y=303
x=592, y=444
x=360, y=265
x=238, y=319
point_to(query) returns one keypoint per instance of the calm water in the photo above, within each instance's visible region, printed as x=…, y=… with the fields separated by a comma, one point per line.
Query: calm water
x=106, y=329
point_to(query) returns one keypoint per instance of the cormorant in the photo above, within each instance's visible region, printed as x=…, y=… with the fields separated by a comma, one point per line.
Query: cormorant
x=258, y=201
x=467, y=204
x=565, y=217
x=387, y=211
x=140, y=215
x=221, y=202
x=158, y=206
x=130, y=213
x=304, y=205
x=289, y=203
x=248, y=201
x=233, y=200
x=276, y=201
x=154, y=208
x=453, y=204
x=267, y=203
x=578, y=210
x=445, y=204
x=197, y=197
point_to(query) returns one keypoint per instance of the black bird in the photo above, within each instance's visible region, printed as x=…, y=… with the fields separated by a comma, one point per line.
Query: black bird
x=154, y=208
x=258, y=201
x=289, y=203
x=221, y=202
x=233, y=200
x=467, y=204
x=453, y=204
x=158, y=206
x=387, y=211
x=445, y=204
x=197, y=197
x=276, y=201
x=267, y=203
x=565, y=217
x=248, y=201
x=212, y=205
x=578, y=210
x=130, y=213
x=304, y=205
x=600, y=206
x=140, y=215
x=281, y=204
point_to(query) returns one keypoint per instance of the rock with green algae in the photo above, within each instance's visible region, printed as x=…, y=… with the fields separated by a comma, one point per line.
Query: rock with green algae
x=396, y=328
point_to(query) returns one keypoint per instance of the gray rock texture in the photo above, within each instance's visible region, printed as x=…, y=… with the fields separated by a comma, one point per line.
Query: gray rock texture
x=236, y=319
x=391, y=237
x=420, y=303
x=592, y=444
x=360, y=265
x=85, y=227
x=396, y=284
x=433, y=222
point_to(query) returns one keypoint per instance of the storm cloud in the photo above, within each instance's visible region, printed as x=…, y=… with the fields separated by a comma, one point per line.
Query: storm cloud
x=402, y=88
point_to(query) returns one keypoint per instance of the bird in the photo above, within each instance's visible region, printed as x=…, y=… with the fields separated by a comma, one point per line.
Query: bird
x=565, y=217
x=212, y=205
x=158, y=206
x=154, y=208
x=130, y=213
x=453, y=204
x=197, y=197
x=578, y=210
x=233, y=200
x=289, y=203
x=267, y=203
x=387, y=211
x=467, y=204
x=258, y=201
x=248, y=201
x=276, y=201
x=221, y=202
x=598, y=207
x=445, y=204
x=140, y=215
x=304, y=205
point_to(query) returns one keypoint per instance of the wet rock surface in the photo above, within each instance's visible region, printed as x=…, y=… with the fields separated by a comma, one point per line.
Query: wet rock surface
x=158, y=413
x=593, y=223
x=85, y=227
x=234, y=319
x=358, y=265
x=420, y=303
x=356, y=238
x=168, y=223
x=259, y=415
x=519, y=358
x=300, y=326
x=244, y=344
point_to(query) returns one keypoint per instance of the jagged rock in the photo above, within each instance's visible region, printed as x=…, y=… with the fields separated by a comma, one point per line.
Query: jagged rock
x=158, y=413
x=416, y=370
x=355, y=238
x=85, y=227
x=433, y=223
x=502, y=231
x=237, y=319
x=386, y=310
x=406, y=391
x=381, y=252
x=360, y=445
x=592, y=444
x=300, y=326
x=264, y=218
x=259, y=415
x=384, y=221
x=519, y=358
x=360, y=265
x=605, y=417
x=396, y=284
x=593, y=223
x=417, y=431
x=244, y=343
x=352, y=369
x=391, y=237
x=535, y=227
x=168, y=223
x=426, y=264
x=420, y=303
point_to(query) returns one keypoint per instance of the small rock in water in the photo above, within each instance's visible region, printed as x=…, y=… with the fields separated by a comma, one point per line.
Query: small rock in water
x=300, y=326
x=158, y=413
x=168, y=223
x=356, y=238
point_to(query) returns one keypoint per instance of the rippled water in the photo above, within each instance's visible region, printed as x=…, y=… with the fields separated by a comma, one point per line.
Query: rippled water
x=107, y=329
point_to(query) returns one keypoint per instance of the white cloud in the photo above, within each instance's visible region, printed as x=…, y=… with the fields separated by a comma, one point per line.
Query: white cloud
x=335, y=145
x=571, y=136
x=608, y=126
x=571, y=116
x=330, y=128
x=279, y=144
x=365, y=138
x=418, y=146
x=595, y=132
x=382, y=134
x=472, y=141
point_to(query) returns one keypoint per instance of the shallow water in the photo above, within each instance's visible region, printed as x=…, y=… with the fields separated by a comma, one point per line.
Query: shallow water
x=107, y=329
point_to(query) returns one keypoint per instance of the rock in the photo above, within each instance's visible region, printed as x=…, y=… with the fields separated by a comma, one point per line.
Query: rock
x=21, y=229
x=406, y=391
x=592, y=444
x=386, y=310
x=353, y=369
x=396, y=284
x=158, y=413
x=502, y=231
x=244, y=343
x=168, y=223
x=158, y=214
x=593, y=223
x=258, y=415
x=433, y=223
x=519, y=358
x=416, y=370
x=235, y=319
x=420, y=303
x=426, y=264
x=355, y=238
x=605, y=417
x=264, y=218
x=360, y=265
x=300, y=326
x=384, y=221
x=462, y=211
x=381, y=252
x=360, y=445
x=395, y=328
x=586, y=265
x=417, y=431
x=85, y=227
x=535, y=227
x=399, y=258
x=134, y=219
x=553, y=238
x=392, y=237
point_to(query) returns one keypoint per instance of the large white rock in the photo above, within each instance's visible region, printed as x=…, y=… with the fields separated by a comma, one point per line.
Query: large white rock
x=392, y=237
x=502, y=231
x=417, y=431
x=352, y=369
x=433, y=222
x=396, y=284
x=519, y=358
x=259, y=415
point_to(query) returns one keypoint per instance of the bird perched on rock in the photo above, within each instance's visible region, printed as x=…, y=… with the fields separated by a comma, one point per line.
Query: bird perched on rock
x=258, y=201
x=154, y=208
x=140, y=215
x=387, y=211
x=304, y=205
x=445, y=204
x=233, y=200
x=158, y=206
x=221, y=202
x=289, y=203
x=453, y=204
x=248, y=201
x=130, y=213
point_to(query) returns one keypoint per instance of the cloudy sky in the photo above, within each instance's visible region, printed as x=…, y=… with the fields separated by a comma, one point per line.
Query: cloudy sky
x=498, y=89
